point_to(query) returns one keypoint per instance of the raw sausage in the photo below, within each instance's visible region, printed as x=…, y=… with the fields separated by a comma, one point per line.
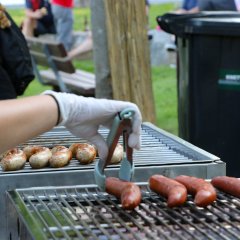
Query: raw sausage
x=175, y=192
x=203, y=191
x=85, y=153
x=117, y=154
x=61, y=156
x=229, y=185
x=128, y=193
x=13, y=159
x=37, y=156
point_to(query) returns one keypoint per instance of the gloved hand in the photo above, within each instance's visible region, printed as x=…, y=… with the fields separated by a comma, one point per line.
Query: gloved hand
x=83, y=116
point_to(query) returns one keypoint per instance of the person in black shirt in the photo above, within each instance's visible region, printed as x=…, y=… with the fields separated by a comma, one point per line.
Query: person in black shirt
x=39, y=18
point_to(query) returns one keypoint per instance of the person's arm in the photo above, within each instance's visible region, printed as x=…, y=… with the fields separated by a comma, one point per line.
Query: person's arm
x=22, y=119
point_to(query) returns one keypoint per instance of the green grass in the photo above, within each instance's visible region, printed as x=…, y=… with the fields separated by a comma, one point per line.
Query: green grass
x=163, y=77
x=165, y=95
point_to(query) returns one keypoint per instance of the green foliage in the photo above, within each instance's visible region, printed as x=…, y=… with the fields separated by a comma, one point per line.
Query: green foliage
x=17, y=14
x=81, y=16
x=163, y=77
x=34, y=88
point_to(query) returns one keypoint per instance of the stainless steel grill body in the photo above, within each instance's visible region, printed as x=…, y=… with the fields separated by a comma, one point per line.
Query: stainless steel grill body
x=83, y=212
x=161, y=153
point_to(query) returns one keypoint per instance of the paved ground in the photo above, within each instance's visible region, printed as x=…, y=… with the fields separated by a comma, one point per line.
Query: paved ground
x=159, y=46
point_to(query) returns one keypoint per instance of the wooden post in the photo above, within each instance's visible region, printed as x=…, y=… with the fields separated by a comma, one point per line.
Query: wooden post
x=129, y=56
x=100, y=50
x=128, y=52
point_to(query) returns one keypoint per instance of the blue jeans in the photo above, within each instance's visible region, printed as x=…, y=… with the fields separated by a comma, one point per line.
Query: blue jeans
x=63, y=18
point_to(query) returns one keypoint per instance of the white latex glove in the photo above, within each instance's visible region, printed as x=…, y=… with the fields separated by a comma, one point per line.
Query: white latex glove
x=83, y=116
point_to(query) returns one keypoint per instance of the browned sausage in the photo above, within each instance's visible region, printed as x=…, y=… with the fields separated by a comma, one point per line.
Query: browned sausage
x=175, y=192
x=38, y=156
x=129, y=193
x=203, y=191
x=84, y=152
x=226, y=184
x=61, y=156
x=13, y=159
x=29, y=150
x=117, y=155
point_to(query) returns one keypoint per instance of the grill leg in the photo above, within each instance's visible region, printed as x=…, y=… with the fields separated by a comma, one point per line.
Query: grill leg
x=15, y=228
x=12, y=230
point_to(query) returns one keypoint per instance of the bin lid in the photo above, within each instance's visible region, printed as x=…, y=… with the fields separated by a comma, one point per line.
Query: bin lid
x=210, y=23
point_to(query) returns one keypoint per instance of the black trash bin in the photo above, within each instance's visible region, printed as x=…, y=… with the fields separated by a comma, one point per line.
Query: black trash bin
x=208, y=76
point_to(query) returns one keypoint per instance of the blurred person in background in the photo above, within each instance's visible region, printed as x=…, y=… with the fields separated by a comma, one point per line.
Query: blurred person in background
x=189, y=6
x=85, y=46
x=194, y=6
x=63, y=19
x=39, y=18
x=218, y=5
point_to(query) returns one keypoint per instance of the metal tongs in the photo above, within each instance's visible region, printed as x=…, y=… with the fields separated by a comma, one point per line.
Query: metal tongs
x=122, y=125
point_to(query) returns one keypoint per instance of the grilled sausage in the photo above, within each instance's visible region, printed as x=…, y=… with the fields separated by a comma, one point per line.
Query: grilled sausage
x=85, y=153
x=37, y=156
x=29, y=150
x=128, y=193
x=226, y=184
x=61, y=156
x=175, y=192
x=203, y=191
x=13, y=159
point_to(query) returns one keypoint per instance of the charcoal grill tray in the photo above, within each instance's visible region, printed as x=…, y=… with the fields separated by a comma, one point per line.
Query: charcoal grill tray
x=161, y=153
x=84, y=212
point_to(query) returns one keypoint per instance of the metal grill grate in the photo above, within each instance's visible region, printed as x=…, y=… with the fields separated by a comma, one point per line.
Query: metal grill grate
x=83, y=212
x=157, y=148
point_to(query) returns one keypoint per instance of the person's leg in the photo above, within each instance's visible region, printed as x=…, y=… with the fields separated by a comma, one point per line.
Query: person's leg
x=28, y=27
x=85, y=46
x=63, y=18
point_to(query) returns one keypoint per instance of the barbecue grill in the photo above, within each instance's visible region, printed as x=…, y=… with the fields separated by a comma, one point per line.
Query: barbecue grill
x=84, y=212
x=161, y=153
